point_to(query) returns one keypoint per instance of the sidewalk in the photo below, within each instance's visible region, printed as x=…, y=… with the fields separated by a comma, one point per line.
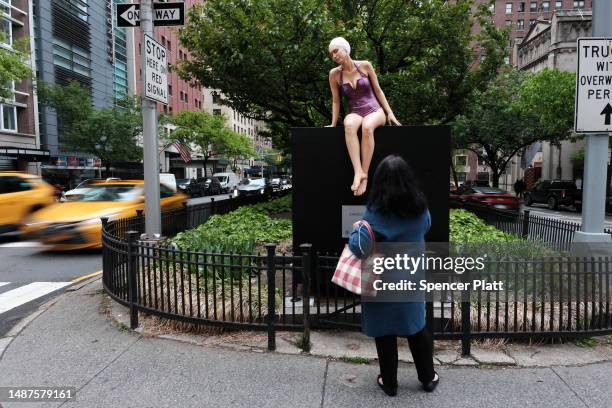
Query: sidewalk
x=72, y=343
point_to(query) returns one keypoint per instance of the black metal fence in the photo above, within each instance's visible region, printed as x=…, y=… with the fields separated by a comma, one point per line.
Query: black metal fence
x=555, y=233
x=559, y=297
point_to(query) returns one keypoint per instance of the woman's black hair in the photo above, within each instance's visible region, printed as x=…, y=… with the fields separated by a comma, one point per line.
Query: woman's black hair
x=395, y=189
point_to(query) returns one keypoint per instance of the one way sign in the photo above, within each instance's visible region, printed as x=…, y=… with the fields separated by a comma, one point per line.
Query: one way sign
x=594, y=86
x=164, y=14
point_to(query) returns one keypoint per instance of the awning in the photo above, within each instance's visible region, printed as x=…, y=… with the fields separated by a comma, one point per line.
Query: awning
x=33, y=155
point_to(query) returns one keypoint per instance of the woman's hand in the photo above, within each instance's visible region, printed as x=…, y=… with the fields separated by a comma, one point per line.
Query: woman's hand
x=392, y=120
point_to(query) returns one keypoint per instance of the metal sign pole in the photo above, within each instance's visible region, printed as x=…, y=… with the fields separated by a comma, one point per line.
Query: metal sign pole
x=149, y=132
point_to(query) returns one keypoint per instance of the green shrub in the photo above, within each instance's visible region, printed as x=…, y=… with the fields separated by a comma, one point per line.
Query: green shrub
x=465, y=227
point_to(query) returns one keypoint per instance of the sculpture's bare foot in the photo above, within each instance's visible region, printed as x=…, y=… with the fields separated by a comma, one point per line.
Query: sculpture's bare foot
x=362, y=187
x=357, y=180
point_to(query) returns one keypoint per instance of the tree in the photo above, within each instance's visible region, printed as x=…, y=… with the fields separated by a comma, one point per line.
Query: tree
x=206, y=131
x=549, y=94
x=14, y=65
x=493, y=128
x=109, y=133
x=236, y=145
x=269, y=57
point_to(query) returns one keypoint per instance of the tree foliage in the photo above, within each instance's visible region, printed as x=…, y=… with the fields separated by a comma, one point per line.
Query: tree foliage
x=491, y=126
x=209, y=133
x=110, y=133
x=270, y=58
x=514, y=111
x=14, y=65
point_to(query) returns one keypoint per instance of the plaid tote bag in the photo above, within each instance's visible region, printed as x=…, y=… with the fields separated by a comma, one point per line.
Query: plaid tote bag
x=348, y=274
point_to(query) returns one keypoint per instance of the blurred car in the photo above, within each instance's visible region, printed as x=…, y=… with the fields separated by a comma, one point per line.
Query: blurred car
x=76, y=224
x=82, y=187
x=252, y=186
x=204, y=186
x=169, y=180
x=488, y=197
x=20, y=195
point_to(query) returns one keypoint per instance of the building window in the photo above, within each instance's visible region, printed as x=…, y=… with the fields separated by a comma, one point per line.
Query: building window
x=163, y=41
x=508, y=8
x=181, y=96
x=508, y=23
x=546, y=6
x=531, y=22
x=461, y=176
x=460, y=160
x=521, y=7
x=217, y=100
x=9, y=118
x=71, y=57
x=579, y=4
x=520, y=25
x=169, y=89
x=7, y=32
x=558, y=4
x=218, y=112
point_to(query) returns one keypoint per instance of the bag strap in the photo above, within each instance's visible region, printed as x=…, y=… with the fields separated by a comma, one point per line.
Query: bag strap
x=370, y=233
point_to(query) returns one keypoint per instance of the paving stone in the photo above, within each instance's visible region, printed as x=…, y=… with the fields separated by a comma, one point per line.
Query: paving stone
x=554, y=355
x=446, y=356
x=491, y=357
x=465, y=362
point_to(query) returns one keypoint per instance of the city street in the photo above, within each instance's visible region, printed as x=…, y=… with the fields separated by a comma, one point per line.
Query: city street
x=31, y=275
x=564, y=214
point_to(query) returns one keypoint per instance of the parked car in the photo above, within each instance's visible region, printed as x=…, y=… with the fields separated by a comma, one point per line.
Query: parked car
x=252, y=186
x=183, y=184
x=204, y=186
x=285, y=184
x=229, y=181
x=76, y=224
x=169, y=180
x=82, y=187
x=554, y=193
x=275, y=183
x=20, y=195
x=488, y=197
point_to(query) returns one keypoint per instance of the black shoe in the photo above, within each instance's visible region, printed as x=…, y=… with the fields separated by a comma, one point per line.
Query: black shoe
x=430, y=386
x=390, y=391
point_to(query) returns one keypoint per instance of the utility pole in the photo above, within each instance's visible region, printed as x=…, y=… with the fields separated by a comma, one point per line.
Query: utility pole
x=149, y=132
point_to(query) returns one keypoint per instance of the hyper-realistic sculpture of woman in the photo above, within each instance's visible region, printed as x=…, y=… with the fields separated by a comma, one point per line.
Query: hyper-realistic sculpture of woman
x=368, y=105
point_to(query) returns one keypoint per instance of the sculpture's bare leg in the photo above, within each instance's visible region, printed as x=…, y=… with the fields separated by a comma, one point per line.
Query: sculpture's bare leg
x=352, y=122
x=368, y=126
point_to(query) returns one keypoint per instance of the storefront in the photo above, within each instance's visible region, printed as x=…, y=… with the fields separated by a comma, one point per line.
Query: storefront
x=19, y=159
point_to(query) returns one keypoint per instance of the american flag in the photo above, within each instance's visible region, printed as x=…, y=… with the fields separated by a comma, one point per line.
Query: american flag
x=183, y=151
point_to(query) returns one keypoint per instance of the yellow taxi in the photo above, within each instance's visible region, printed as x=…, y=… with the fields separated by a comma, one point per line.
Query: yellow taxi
x=76, y=224
x=20, y=195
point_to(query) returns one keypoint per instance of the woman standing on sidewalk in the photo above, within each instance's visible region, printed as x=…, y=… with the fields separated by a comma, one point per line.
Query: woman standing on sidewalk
x=357, y=81
x=397, y=212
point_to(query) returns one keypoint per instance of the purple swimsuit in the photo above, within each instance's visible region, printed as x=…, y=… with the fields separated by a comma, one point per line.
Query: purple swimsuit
x=361, y=99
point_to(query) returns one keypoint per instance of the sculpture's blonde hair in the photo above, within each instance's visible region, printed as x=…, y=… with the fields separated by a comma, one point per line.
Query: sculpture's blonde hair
x=340, y=42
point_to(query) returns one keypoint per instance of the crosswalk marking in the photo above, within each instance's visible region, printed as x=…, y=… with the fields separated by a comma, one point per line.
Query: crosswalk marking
x=4, y=283
x=24, y=294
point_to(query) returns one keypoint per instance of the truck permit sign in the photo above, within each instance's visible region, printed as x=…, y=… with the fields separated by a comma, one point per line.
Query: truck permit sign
x=156, y=70
x=594, y=86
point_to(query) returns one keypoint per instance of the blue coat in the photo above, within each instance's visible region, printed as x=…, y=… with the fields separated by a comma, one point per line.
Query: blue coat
x=391, y=318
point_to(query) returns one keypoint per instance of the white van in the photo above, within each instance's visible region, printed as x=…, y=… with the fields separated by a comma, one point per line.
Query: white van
x=229, y=181
x=169, y=180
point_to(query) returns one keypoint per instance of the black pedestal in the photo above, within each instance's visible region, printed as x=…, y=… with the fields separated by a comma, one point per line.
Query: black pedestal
x=322, y=176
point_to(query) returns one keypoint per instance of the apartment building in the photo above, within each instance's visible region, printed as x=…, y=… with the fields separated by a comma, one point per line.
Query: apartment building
x=19, y=139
